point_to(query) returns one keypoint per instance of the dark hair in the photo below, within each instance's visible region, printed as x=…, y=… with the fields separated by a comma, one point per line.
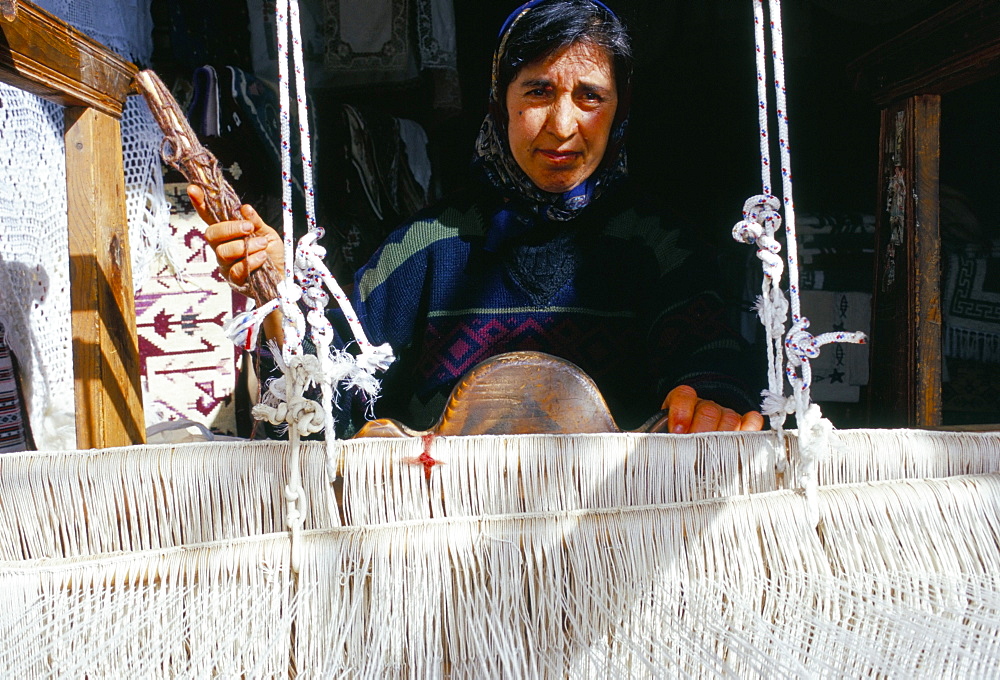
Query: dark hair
x=543, y=28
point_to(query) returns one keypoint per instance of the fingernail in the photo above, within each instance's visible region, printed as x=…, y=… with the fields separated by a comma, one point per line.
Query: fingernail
x=246, y=227
x=678, y=429
x=258, y=243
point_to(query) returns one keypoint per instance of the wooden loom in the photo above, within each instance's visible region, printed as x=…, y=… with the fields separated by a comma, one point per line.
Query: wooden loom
x=43, y=55
x=174, y=561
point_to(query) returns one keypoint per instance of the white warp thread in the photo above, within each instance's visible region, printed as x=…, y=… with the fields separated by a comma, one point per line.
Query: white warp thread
x=689, y=577
x=62, y=505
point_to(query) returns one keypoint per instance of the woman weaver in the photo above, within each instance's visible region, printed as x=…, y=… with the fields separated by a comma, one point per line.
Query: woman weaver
x=553, y=250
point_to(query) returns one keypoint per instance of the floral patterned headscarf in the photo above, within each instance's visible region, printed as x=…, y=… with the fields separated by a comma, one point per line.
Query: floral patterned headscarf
x=500, y=169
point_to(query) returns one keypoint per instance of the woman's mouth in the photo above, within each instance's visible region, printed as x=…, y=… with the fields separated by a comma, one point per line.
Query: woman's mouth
x=559, y=157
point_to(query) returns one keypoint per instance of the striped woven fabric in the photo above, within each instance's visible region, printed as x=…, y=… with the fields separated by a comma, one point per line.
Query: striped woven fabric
x=12, y=432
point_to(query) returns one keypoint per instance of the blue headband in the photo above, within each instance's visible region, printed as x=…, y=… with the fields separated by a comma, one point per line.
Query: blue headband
x=533, y=3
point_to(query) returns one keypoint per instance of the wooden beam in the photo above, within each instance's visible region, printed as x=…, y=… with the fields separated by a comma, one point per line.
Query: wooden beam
x=105, y=349
x=957, y=46
x=905, y=387
x=45, y=56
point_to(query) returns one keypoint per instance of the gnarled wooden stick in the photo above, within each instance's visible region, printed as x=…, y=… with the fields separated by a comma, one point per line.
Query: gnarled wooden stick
x=182, y=151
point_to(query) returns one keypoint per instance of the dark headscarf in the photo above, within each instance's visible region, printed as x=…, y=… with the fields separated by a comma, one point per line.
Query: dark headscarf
x=494, y=158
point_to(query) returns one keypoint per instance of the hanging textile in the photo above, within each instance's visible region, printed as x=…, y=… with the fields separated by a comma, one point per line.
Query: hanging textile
x=13, y=427
x=34, y=262
x=124, y=26
x=368, y=41
x=355, y=43
x=970, y=303
x=188, y=366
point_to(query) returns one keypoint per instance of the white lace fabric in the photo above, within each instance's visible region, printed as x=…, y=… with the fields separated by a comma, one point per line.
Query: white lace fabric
x=124, y=26
x=34, y=261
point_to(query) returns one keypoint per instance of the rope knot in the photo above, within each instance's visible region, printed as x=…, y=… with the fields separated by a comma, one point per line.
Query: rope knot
x=305, y=415
x=272, y=414
x=761, y=220
x=772, y=310
x=760, y=216
x=800, y=344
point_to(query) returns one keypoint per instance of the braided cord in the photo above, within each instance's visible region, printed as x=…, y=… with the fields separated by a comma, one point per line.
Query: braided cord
x=306, y=279
x=758, y=226
x=800, y=346
x=293, y=324
x=761, y=61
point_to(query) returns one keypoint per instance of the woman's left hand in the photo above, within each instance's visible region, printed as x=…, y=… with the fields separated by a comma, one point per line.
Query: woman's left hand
x=687, y=413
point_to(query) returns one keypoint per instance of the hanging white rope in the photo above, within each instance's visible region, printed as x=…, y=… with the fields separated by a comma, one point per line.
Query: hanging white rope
x=759, y=226
x=307, y=280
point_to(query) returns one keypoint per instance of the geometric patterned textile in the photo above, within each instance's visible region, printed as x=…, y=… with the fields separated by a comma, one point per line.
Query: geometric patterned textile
x=188, y=364
x=971, y=304
x=12, y=435
x=840, y=370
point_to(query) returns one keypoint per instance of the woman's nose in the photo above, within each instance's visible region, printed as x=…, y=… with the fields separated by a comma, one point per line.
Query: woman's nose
x=562, y=118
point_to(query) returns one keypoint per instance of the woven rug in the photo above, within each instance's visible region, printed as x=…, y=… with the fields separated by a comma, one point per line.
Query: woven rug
x=12, y=433
x=971, y=302
x=841, y=369
x=189, y=367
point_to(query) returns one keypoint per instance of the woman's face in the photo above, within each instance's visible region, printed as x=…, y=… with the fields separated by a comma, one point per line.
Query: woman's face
x=560, y=111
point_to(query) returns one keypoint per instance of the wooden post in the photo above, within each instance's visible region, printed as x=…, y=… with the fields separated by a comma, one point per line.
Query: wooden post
x=906, y=310
x=105, y=349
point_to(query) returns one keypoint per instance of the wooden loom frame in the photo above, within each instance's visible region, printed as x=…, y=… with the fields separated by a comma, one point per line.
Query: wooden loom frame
x=43, y=55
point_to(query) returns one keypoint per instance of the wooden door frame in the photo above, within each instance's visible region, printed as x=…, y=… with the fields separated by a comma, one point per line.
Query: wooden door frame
x=906, y=77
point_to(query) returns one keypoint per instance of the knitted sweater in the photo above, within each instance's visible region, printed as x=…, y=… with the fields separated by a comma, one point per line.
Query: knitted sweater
x=628, y=299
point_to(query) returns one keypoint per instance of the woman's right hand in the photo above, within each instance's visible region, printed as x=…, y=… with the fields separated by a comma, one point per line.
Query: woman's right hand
x=688, y=413
x=240, y=246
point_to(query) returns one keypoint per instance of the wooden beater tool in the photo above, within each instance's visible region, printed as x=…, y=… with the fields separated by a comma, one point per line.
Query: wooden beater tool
x=182, y=151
